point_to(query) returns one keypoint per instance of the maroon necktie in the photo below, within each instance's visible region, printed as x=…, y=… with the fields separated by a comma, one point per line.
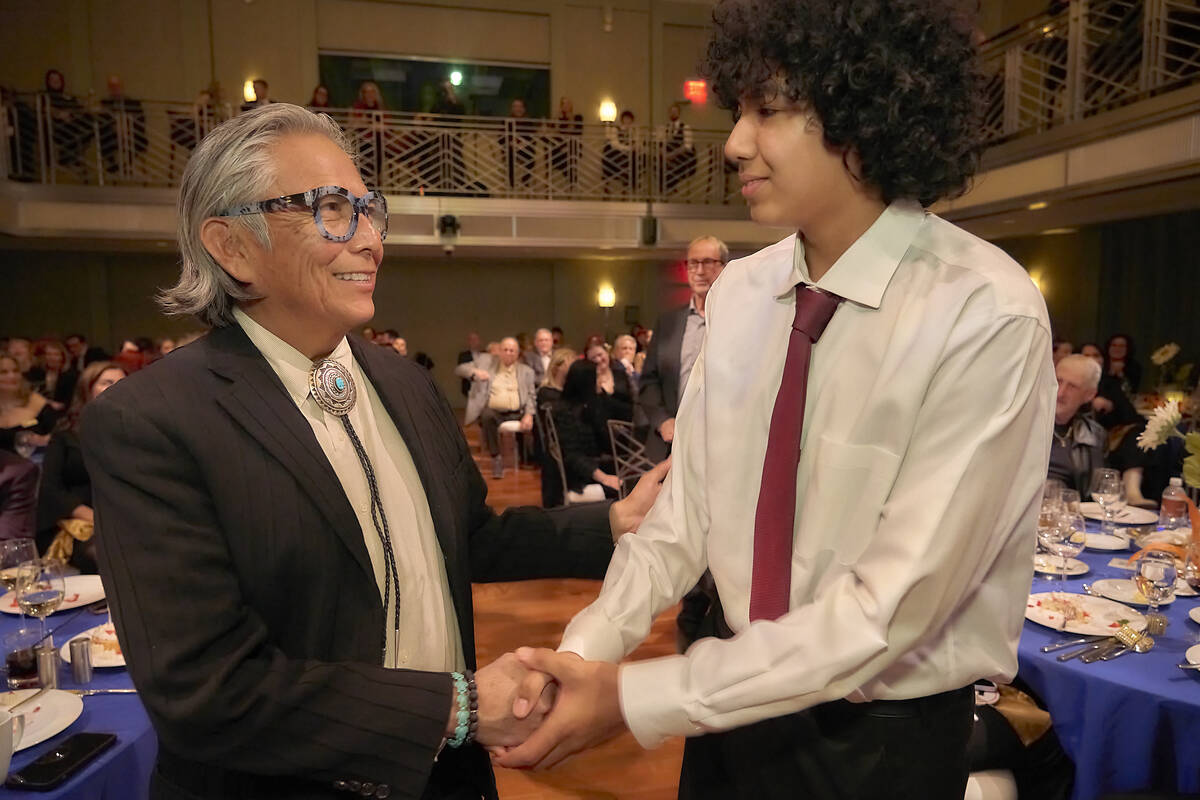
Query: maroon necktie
x=775, y=517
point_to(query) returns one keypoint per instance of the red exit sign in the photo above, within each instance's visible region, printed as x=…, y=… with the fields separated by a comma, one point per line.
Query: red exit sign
x=696, y=91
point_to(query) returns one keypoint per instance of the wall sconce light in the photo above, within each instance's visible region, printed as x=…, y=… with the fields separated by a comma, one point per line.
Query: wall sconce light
x=606, y=297
x=1039, y=280
x=248, y=93
x=456, y=78
x=1038, y=206
x=608, y=111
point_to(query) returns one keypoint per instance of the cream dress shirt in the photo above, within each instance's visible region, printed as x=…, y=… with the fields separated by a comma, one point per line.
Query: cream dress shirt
x=429, y=638
x=504, y=393
x=925, y=442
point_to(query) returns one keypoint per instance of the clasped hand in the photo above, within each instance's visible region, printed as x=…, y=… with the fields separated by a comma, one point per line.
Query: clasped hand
x=536, y=707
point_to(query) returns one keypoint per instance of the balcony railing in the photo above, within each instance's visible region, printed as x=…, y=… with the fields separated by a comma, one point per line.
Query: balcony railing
x=57, y=140
x=1090, y=56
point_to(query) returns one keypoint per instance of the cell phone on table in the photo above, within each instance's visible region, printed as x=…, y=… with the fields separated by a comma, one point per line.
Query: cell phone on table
x=61, y=761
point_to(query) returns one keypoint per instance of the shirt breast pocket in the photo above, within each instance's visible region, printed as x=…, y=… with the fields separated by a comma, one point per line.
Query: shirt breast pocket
x=847, y=489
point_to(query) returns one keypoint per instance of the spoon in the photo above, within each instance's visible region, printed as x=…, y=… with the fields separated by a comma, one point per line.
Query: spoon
x=1188, y=666
x=1142, y=645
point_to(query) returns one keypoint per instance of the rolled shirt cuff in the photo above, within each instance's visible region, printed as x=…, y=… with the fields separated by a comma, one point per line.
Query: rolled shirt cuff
x=653, y=700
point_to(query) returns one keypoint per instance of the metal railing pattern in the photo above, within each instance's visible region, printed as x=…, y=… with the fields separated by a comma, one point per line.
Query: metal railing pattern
x=56, y=140
x=1089, y=56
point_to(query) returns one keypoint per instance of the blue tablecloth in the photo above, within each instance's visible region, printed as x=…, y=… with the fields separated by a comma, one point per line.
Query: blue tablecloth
x=123, y=771
x=1129, y=724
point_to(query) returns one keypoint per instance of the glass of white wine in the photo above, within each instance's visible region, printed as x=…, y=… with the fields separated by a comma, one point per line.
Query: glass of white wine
x=1071, y=543
x=14, y=553
x=1155, y=579
x=41, y=587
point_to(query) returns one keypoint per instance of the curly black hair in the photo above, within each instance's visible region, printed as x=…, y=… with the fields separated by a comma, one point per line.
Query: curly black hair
x=897, y=81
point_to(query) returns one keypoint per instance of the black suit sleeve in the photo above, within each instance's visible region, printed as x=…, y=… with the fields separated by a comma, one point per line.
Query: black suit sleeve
x=215, y=684
x=650, y=388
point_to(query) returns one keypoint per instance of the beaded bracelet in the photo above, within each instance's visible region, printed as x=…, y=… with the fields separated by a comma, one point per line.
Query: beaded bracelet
x=467, y=699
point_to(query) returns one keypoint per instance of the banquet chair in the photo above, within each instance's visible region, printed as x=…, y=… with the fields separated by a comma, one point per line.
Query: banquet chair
x=509, y=430
x=991, y=784
x=592, y=492
x=629, y=454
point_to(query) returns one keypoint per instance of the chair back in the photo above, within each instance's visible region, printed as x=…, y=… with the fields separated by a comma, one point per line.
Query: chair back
x=549, y=434
x=629, y=454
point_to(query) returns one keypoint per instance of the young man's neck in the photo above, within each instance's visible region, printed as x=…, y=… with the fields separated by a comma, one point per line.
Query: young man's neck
x=826, y=239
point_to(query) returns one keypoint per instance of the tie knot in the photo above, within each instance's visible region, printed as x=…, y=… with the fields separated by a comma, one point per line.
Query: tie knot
x=814, y=309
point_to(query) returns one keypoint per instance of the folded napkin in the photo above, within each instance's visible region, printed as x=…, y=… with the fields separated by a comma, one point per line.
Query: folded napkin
x=69, y=531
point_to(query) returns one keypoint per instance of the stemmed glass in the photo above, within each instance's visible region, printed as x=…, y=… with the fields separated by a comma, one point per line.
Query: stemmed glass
x=1073, y=538
x=1191, y=568
x=1050, y=533
x=1107, y=492
x=13, y=553
x=1156, y=580
x=41, y=587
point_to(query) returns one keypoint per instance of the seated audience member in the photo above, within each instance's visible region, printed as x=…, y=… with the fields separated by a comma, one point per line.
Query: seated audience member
x=65, y=499
x=614, y=394
x=559, y=336
x=262, y=95
x=502, y=390
x=52, y=375
x=549, y=397
x=424, y=360
x=1062, y=349
x=368, y=333
x=131, y=357
x=1111, y=407
x=1079, y=441
x=81, y=354
x=625, y=353
x=400, y=345
x=18, y=496
x=582, y=432
x=538, y=357
x=467, y=356
x=22, y=410
x=385, y=338
x=1122, y=363
x=20, y=350
x=165, y=346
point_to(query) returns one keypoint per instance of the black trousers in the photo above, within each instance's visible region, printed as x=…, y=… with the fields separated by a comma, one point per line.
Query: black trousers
x=489, y=425
x=883, y=750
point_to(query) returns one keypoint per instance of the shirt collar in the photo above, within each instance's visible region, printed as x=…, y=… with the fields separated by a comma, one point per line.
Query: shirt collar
x=863, y=272
x=292, y=366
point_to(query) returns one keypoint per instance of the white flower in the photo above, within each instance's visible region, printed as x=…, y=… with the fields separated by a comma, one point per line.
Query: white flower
x=1161, y=426
x=1165, y=353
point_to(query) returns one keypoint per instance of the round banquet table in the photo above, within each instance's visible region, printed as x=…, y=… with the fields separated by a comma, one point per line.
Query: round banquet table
x=1129, y=724
x=123, y=771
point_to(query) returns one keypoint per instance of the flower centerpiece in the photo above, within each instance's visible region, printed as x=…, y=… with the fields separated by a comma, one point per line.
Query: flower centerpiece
x=1162, y=427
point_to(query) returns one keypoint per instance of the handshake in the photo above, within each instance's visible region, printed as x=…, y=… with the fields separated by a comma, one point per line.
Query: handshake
x=536, y=707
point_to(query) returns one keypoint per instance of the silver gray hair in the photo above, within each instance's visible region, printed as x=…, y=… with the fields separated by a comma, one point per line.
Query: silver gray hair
x=722, y=248
x=1086, y=368
x=232, y=166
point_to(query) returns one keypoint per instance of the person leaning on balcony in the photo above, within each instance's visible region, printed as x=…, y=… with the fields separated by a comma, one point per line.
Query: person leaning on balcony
x=620, y=155
x=122, y=127
x=679, y=152
x=568, y=145
x=69, y=123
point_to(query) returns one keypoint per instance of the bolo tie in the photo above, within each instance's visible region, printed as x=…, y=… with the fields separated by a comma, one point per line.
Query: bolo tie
x=333, y=388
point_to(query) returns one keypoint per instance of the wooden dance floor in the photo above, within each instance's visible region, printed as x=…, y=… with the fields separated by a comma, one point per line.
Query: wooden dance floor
x=509, y=615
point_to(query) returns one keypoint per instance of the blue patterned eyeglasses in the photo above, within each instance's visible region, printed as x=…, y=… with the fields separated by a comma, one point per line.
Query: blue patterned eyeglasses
x=335, y=210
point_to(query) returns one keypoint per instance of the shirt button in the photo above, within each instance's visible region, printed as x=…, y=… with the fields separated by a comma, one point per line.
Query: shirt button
x=383, y=791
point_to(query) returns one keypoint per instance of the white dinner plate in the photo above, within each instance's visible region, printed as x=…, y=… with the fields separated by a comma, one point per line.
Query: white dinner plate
x=1093, y=616
x=1103, y=541
x=1129, y=515
x=49, y=715
x=1183, y=590
x=81, y=590
x=1194, y=616
x=100, y=656
x=1052, y=565
x=1123, y=590
x=1193, y=654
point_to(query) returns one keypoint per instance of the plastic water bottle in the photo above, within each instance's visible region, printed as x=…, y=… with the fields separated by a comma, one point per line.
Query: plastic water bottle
x=1173, y=511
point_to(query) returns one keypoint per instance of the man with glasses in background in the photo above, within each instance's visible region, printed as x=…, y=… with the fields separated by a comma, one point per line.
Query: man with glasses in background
x=290, y=519
x=678, y=335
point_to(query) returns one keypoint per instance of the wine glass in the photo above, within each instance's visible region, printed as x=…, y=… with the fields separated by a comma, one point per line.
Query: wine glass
x=13, y=553
x=1050, y=534
x=1071, y=543
x=1107, y=491
x=1070, y=501
x=1191, y=569
x=41, y=587
x=1156, y=580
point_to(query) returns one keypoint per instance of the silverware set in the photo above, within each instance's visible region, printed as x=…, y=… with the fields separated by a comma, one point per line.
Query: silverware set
x=1090, y=649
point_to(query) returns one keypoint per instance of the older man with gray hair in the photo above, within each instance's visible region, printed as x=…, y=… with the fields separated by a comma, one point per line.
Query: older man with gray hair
x=502, y=390
x=1079, y=441
x=290, y=520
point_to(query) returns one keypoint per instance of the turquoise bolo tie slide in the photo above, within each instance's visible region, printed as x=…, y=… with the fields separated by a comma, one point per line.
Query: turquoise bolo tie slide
x=332, y=387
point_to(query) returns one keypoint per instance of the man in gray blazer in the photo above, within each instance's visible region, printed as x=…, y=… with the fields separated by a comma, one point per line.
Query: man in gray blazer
x=678, y=335
x=538, y=358
x=502, y=389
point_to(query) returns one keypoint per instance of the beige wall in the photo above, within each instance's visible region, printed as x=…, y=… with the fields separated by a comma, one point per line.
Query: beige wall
x=1066, y=267
x=432, y=302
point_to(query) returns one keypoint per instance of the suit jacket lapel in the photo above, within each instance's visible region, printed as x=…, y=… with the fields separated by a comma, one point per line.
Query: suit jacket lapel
x=258, y=402
x=400, y=397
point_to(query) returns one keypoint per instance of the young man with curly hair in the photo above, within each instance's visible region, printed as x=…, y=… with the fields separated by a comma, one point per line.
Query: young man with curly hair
x=860, y=449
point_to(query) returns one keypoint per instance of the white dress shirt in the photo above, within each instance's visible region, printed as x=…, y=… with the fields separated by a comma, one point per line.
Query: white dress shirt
x=925, y=442
x=429, y=638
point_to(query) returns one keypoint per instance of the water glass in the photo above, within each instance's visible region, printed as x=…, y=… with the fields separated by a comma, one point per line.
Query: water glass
x=1070, y=544
x=41, y=586
x=1156, y=580
x=13, y=553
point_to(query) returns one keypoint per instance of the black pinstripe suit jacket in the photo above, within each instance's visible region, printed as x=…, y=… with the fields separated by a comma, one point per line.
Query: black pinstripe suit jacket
x=243, y=593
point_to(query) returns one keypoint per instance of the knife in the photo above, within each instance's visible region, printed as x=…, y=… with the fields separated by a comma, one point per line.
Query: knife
x=1102, y=652
x=90, y=692
x=1088, y=648
x=28, y=700
x=1050, y=648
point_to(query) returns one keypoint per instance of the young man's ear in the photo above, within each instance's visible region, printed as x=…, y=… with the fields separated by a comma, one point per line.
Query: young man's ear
x=227, y=242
